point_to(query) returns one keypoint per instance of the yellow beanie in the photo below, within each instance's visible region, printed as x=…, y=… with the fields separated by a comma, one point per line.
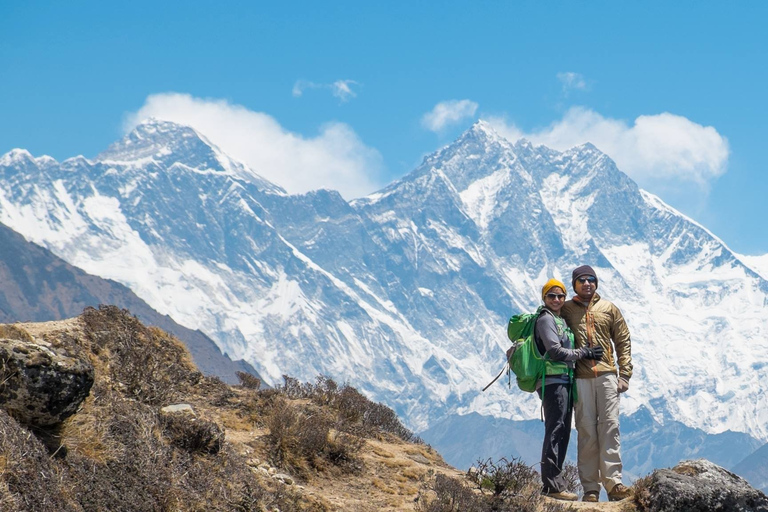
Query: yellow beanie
x=552, y=283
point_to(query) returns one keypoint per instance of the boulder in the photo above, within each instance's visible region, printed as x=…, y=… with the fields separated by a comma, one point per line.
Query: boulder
x=41, y=386
x=699, y=486
x=178, y=409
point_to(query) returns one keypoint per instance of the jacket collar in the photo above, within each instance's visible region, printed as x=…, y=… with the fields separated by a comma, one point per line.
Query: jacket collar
x=595, y=298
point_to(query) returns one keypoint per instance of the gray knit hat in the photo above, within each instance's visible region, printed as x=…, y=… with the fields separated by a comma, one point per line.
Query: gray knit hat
x=584, y=270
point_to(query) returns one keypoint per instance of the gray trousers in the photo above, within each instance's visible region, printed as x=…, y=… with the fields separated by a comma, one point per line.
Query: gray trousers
x=558, y=410
x=597, y=421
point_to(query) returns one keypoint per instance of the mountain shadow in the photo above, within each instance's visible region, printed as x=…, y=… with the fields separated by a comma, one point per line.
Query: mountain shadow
x=37, y=286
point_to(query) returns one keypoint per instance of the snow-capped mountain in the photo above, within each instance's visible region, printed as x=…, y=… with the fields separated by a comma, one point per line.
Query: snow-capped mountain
x=757, y=263
x=405, y=293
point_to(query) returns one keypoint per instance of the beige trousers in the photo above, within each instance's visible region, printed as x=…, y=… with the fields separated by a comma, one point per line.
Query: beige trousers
x=597, y=421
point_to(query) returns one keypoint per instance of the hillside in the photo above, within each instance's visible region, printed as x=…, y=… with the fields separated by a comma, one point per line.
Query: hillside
x=299, y=447
x=152, y=433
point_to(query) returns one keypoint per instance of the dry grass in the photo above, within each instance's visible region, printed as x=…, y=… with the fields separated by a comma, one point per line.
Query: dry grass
x=641, y=492
x=382, y=486
x=412, y=473
x=397, y=463
x=683, y=469
x=14, y=332
x=121, y=453
x=381, y=452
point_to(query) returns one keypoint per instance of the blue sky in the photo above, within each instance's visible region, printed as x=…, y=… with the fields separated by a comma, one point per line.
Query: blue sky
x=352, y=95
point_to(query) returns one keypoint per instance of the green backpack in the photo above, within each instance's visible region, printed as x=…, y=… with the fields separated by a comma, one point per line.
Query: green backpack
x=523, y=358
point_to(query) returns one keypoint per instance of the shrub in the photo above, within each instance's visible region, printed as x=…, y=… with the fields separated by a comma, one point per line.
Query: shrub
x=450, y=495
x=248, y=381
x=301, y=440
x=500, y=486
x=296, y=438
x=147, y=364
x=29, y=479
x=446, y=494
x=642, y=492
x=120, y=454
x=144, y=466
x=356, y=414
x=294, y=388
x=507, y=477
x=351, y=405
x=343, y=450
x=192, y=434
x=571, y=476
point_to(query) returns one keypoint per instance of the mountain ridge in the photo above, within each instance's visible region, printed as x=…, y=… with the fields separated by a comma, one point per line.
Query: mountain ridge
x=406, y=292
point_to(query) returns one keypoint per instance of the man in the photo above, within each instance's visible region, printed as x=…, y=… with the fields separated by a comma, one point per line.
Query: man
x=598, y=322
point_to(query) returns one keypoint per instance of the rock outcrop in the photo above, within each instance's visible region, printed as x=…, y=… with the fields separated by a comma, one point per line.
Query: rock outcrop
x=699, y=486
x=40, y=385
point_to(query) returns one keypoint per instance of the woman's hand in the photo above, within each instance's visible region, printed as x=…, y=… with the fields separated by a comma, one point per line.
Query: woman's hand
x=595, y=352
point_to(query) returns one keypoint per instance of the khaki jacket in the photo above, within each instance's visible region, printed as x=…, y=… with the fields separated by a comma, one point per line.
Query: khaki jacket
x=600, y=322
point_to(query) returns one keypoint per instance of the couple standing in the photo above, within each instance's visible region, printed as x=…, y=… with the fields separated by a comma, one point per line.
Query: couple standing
x=601, y=336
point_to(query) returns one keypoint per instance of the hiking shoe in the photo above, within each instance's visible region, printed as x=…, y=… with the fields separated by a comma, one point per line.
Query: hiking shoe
x=591, y=496
x=562, y=495
x=618, y=493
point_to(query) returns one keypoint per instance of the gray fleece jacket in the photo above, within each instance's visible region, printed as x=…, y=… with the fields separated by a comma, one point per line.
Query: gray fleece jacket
x=552, y=339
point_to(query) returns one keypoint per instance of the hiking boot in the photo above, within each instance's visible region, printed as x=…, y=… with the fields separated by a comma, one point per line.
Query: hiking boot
x=618, y=493
x=562, y=495
x=591, y=496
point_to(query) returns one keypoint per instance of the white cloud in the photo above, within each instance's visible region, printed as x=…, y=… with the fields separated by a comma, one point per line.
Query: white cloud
x=447, y=113
x=663, y=150
x=335, y=158
x=571, y=80
x=341, y=89
x=301, y=85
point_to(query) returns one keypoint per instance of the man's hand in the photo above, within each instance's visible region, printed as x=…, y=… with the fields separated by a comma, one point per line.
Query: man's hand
x=623, y=385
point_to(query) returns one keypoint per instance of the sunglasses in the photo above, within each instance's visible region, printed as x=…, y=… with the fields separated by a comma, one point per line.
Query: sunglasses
x=588, y=279
x=553, y=296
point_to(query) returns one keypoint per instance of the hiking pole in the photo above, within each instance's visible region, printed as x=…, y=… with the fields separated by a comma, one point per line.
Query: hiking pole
x=497, y=377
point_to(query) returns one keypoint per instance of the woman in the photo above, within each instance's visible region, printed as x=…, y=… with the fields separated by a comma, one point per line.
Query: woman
x=555, y=341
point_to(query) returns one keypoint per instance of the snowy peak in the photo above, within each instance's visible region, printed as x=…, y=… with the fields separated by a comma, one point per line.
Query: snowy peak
x=22, y=157
x=483, y=130
x=165, y=143
x=162, y=142
x=16, y=156
x=482, y=136
x=478, y=153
